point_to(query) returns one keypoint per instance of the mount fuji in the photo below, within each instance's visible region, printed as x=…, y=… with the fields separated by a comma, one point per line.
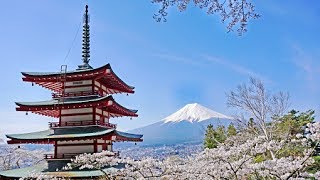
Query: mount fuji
x=187, y=125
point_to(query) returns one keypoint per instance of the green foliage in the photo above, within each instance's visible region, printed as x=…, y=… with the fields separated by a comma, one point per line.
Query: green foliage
x=291, y=150
x=220, y=135
x=293, y=123
x=251, y=123
x=209, y=141
x=259, y=158
x=214, y=137
x=252, y=127
x=315, y=166
x=231, y=131
x=287, y=127
x=317, y=159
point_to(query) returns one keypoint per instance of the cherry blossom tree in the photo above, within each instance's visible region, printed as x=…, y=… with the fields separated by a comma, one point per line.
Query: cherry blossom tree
x=238, y=160
x=263, y=108
x=94, y=161
x=15, y=157
x=236, y=13
x=243, y=159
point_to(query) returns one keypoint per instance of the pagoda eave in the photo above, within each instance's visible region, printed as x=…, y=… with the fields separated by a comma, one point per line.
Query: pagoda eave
x=52, y=107
x=52, y=140
x=16, y=141
x=47, y=136
x=102, y=76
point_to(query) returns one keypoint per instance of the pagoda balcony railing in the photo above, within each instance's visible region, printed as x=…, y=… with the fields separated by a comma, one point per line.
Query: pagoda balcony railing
x=82, y=123
x=72, y=94
x=61, y=156
x=71, y=155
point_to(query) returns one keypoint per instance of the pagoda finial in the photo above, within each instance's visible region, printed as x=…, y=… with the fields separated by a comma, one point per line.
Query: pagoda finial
x=85, y=42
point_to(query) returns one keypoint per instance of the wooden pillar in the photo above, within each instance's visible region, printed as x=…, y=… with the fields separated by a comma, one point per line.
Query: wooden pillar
x=105, y=146
x=102, y=121
x=108, y=117
x=55, y=149
x=94, y=115
x=60, y=116
x=95, y=146
x=92, y=89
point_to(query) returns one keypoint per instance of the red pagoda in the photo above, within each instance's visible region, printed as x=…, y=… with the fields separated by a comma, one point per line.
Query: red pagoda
x=82, y=103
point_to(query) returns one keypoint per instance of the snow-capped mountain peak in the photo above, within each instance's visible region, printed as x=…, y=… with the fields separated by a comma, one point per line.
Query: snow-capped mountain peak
x=194, y=113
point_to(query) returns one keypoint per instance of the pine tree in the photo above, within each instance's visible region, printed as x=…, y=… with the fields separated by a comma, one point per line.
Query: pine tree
x=213, y=137
x=209, y=141
x=221, y=134
x=232, y=131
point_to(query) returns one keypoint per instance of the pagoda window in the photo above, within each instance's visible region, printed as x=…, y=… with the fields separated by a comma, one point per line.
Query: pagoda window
x=76, y=118
x=101, y=141
x=76, y=111
x=109, y=147
x=89, y=141
x=78, y=89
x=99, y=111
x=74, y=149
x=99, y=149
x=76, y=83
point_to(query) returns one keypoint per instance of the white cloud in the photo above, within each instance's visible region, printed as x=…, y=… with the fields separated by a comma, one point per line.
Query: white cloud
x=235, y=67
x=204, y=60
x=179, y=59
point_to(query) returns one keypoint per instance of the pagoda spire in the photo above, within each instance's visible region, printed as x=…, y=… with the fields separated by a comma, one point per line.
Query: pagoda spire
x=85, y=42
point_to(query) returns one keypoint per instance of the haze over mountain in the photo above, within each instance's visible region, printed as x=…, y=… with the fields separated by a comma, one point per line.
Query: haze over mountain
x=187, y=125
x=2, y=138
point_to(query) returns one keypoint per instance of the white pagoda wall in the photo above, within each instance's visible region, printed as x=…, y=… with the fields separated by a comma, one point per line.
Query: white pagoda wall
x=73, y=115
x=81, y=146
x=79, y=110
x=77, y=118
x=70, y=147
x=75, y=83
x=78, y=89
x=77, y=149
x=75, y=142
x=86, y=86
x=99, y=148
x=109, y=148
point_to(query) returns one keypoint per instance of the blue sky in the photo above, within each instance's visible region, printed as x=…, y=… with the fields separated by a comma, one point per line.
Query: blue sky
x=191, y=58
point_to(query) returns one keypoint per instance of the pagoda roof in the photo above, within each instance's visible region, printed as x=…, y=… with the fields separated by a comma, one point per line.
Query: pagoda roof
x=105, y=74
x=80, y=71
x=42, y=168
x=67, y=133
x=51, y=107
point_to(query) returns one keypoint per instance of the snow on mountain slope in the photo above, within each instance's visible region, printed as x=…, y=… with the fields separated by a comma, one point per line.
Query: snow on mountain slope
x=186, y=125
x=194, y=112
